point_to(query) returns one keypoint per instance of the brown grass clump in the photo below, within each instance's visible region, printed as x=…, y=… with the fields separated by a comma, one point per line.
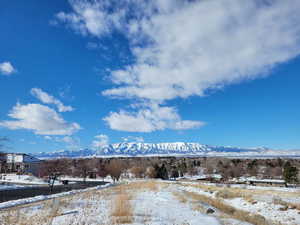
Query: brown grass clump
x=228, y=194
x=145, y=185
x=122, y=210
x=279, y=201
x=180, y=197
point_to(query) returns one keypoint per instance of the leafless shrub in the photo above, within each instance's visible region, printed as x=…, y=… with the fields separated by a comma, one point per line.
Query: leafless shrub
x=115, y=169
x=138, y=171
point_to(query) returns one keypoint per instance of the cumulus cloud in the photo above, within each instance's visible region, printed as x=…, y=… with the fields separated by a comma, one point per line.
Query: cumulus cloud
x=90, y=17
x=133, y=138
x=40, y=119
x=48, y=99
x=6, y=68
x=187, y=48
x=72, y=142
x=100, y=141
x=148, y=119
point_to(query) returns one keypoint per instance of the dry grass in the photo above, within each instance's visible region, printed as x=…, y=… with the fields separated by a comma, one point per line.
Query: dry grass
x=255, y=219
x=47, y=210
x=279, y=201
x=145, y=185
x=228, y=194
x=122, y=212
x=181, y=197
x=238, y=191
x=17, y=217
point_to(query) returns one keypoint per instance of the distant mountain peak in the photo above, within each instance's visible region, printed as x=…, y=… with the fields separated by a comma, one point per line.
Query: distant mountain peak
x=134, y=149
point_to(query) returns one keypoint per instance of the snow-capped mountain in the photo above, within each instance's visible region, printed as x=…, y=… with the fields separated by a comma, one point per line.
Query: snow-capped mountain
x=165, y=149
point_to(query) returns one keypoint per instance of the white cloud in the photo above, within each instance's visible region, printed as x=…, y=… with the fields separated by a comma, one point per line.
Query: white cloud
x=89, y=18
x=148, y=119
x=72, y=142
x=48, y=99
x=48, y=137
x=100, y=141
x=186, y=48
x=132, y=138
x=6, y=68
x=40, y=119
x=207, y=44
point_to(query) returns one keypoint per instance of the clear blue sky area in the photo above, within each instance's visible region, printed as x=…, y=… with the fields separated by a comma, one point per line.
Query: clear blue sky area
x=83, y=74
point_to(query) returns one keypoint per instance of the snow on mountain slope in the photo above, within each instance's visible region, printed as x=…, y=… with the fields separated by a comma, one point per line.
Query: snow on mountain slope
x=164, y=149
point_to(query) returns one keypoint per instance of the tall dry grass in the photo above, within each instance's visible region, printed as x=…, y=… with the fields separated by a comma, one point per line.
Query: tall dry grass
x=150, y=185
x=122, y=212
x=236, y=192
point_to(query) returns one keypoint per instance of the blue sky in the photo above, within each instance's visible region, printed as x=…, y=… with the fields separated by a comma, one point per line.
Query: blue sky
x=77, y=74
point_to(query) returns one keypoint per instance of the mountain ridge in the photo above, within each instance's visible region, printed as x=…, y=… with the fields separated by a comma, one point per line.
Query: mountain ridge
x=139, y=149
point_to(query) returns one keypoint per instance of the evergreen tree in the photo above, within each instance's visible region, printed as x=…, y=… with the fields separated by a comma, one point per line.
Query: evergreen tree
x=290, y=173
x=174, y=173
x=161, y=172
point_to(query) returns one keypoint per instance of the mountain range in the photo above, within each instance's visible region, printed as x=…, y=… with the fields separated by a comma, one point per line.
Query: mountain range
x=136, y=149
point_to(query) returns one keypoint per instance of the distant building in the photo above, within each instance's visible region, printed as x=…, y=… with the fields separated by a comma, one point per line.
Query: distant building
x=19, y=163
x=267, y=182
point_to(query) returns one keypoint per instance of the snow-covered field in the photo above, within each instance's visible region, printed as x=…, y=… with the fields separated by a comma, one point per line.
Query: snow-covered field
x=161, y=203
x=19, y=180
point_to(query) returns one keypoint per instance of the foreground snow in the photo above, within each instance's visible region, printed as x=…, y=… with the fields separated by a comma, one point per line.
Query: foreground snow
x=162, y=208
x=157, y=203
x=153, y=207
x=270, y=202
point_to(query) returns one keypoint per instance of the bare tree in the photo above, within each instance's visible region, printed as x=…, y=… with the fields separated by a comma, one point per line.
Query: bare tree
x=82, y=168
x=51, y=169
x=138, y=171
x=115, y=169
x=276, y=172
x=102, y=171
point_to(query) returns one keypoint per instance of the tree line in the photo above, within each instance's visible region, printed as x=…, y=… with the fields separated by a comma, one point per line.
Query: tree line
x=173, y=167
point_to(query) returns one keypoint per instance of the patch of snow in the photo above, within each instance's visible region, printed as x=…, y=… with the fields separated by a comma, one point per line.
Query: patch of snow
x=163, y=209
x=268, y=210
x=21, y=179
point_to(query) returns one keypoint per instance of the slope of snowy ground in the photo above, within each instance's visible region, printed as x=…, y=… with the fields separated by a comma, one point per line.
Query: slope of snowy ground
x=24, y=201
x=158, y=203
x=163, y=208
x=270, y=202
x=153, y=207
